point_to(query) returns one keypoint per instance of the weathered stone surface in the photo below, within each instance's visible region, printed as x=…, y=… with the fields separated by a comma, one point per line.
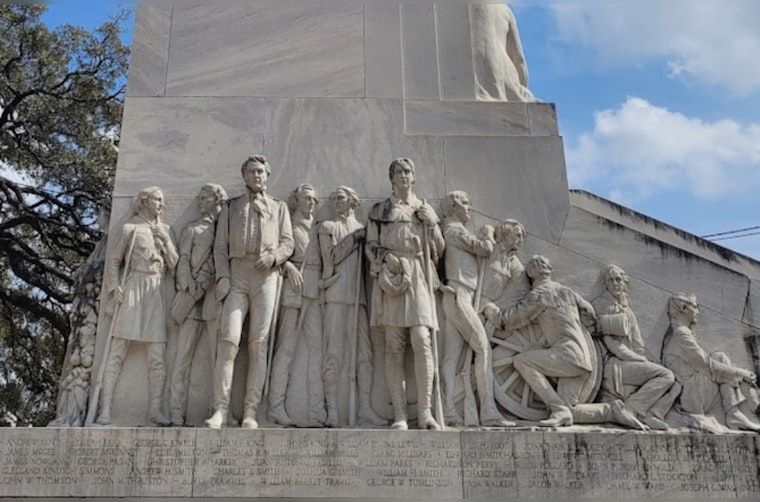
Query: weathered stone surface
x=382, y=50
x=466, y=118
x=657, y=262
x=150, y=51
x=420, y=51
x=510, y=175
x=253, y=49
x=351, y=463
x=455, y=51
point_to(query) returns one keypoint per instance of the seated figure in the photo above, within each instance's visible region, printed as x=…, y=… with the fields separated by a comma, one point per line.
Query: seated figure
x=630, y=372
x=710, y=381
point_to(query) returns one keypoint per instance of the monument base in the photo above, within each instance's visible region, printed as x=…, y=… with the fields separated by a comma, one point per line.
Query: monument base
x=305, y=463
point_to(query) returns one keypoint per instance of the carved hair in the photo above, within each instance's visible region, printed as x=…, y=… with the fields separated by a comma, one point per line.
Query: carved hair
x=351, y=195
x=217, y=191
x=537, y=264
x=452, y=199
x=607, y=271
x=507, y=227
x=402, y=161
x=293, y=199
x=256, y=159
x=140, y=198
x=678, y=303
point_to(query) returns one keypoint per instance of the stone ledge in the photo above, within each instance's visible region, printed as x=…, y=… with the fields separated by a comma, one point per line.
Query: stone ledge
x=344, y=463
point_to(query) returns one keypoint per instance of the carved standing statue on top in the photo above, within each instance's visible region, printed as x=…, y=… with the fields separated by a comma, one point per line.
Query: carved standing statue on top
x=501, y=73
x=562, y=316
x=345, y=310
x=403, y=243
x=195, y=307
x=630, y=373
x=300, y=316
x=253, y=238
x=461, y=297
x=144, y=254
x=711, y=383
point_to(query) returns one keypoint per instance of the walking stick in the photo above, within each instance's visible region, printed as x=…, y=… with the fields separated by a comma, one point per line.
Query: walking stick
x=272, y=331
x=429, y=270
x=354, y=345
x=95, y=396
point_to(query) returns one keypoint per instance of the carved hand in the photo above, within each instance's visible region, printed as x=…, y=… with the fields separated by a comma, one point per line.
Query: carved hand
x=118, y=295
x=295, y=279
x=487, y=232
x=492, y=313
x=222, y=289
x=160, y=237
x=265, y=262
x=427, y=216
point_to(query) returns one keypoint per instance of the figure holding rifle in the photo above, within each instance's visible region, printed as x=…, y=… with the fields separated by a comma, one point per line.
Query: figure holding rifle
x=401, y=231
x=135, y=274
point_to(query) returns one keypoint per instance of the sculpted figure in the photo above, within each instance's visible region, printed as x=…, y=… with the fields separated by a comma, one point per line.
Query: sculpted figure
x=195, y=305
x=345, y=307
x=402, y=237
x=630, y=372
x=562, y=316
x=505, y=281
x=709, y=380
x=463, y=249
x=253, y=238
x=74, y=386
x=300, y=315
x=143, y=255
x=501, y=73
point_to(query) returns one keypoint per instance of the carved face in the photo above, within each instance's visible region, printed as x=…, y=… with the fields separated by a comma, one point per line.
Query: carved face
x=513, y=239
x=340, y=203
x=153, y=206
x=208, y=203
x=691, y=312
x=403, y=177
x=615, y=282
x=463, y=209
x=307, y=202
x=255, y=176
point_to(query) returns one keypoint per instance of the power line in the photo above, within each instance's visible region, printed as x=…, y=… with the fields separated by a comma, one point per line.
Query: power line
x=735, y=236
x=729, y=232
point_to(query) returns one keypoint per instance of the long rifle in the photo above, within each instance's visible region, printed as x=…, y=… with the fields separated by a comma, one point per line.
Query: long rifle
x=95, y=396
x=430, y=271
x=272, y=331
x=354, y=339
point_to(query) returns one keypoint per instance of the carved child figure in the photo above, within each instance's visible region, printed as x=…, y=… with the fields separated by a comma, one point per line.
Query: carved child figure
x=345, y=307
x=253, y=238
x=630, y=372
x=463, y=249
x=401, y=230
x=300, y=315
x=195, y=305
x=144, y=254
x=709, y=380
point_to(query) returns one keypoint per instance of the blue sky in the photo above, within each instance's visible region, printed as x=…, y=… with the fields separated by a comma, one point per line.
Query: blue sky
x=658, y=101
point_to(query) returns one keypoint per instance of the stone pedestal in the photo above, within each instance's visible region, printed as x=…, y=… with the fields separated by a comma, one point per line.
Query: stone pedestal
x=293, y=463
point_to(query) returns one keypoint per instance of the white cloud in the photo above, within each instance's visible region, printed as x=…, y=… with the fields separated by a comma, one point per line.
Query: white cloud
x=639, y=149
x=716, y=41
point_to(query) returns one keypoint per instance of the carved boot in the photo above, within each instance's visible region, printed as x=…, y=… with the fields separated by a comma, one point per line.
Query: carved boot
x=106, y=396
x=223, y=369
x=737, y=420
x=560, y=413
x=489, y=413
x=394, y=375
x=156, y=417
x=366, y=414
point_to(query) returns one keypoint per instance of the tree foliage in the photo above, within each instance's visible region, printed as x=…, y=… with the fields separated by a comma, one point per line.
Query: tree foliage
x=61, y=96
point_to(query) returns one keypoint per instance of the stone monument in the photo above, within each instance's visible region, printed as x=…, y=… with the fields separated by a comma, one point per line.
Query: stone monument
x=435, y=97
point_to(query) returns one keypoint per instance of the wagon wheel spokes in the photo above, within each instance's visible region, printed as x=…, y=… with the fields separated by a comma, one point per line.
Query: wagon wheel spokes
x=504, y=362
x=509, y=345
x=510, y=381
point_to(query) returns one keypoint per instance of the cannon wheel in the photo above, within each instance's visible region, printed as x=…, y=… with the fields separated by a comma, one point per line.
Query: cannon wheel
x=511, y=391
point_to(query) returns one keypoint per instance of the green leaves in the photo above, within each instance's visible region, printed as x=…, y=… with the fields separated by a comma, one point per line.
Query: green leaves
x=61, y=97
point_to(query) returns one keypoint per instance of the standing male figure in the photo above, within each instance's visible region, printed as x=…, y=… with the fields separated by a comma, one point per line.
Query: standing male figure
x=195, y=305
x=253, y=238
x=144, y=254
x=505, y=281
x=463, y=250
x=630, y=372
x=401, y=229
x=300, y=314
x=345, y=307
x=710, y=381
